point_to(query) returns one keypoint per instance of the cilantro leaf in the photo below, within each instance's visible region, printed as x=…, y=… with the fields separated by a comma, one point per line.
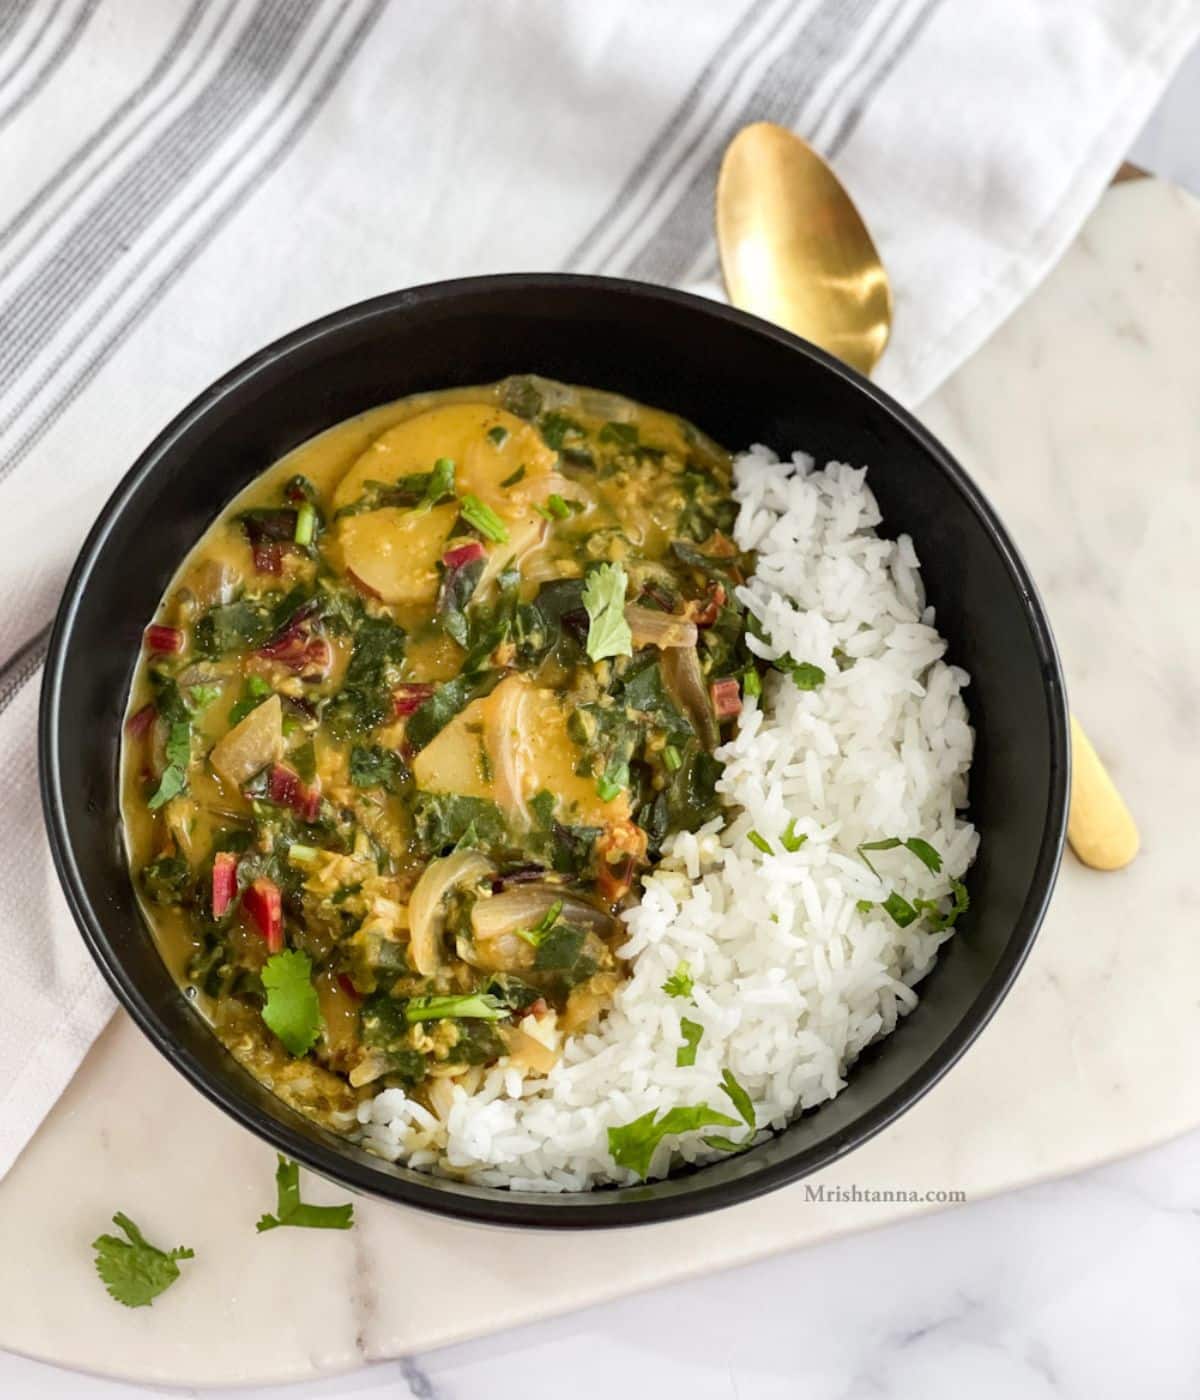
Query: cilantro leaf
x=473, y=1007
x=633, y=1144
x=290, y=1210
x=724, y=1144
x=900, y=909
x=680, y=983
x=292, y=1010
x=931, y=908
x=174, y=779
x=604, y=599
x=925, y=853
x=805, y=674
x=692, y=1031
x=133, y=1270
x=740, y=1098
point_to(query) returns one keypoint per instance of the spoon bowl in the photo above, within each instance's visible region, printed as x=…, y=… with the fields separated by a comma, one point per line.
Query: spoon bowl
x=795, y=250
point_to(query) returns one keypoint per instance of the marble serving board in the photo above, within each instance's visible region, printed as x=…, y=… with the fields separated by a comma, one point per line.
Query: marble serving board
x=1081, y=420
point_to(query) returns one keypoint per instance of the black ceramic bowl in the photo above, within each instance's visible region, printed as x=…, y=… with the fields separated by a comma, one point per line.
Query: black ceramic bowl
x=742, y=381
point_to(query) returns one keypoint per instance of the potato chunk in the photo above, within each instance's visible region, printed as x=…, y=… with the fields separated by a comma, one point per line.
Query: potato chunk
x=396, y=552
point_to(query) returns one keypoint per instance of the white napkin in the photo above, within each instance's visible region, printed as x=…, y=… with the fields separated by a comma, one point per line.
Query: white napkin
x=185, y=181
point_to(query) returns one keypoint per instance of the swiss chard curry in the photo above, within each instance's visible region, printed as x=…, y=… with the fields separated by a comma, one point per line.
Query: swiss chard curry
x=414, y=717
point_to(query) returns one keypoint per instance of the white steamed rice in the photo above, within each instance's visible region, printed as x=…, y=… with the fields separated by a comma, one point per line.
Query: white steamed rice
x=792, y=979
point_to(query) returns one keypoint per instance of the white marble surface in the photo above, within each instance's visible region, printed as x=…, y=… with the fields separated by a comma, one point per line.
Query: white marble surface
x=1085, y=1287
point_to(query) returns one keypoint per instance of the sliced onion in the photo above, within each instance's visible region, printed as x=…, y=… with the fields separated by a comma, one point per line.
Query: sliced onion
x=426, y=908
x=525, y=906
x=684, y=679
x=659, y=629
x=503, y=726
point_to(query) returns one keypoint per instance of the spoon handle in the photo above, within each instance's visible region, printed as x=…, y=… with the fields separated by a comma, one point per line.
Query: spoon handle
x=1100, y=827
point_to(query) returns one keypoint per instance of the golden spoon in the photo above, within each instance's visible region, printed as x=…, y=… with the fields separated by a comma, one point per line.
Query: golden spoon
x=794, y=250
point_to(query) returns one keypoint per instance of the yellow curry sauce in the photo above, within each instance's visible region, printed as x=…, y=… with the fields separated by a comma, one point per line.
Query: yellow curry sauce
x=412, y=719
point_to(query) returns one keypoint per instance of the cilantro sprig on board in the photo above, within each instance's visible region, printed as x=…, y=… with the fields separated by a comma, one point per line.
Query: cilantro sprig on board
x=291, y=1210
x=133, y=1270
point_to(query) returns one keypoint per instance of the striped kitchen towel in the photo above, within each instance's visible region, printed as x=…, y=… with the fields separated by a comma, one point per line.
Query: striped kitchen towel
x=185, y=180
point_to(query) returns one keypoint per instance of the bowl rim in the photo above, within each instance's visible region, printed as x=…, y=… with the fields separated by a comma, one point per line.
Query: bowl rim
x=483, y=1205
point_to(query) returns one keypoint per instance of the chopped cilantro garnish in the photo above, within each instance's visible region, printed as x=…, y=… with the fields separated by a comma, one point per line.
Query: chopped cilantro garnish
x=740, y=1098
x=291, y=1009
x=692, y=1032
x=805, y=674
x=483, y=518
x=179, y=754
x=760, y=842
x=558, y=507
x=133, y=1270
x=499, y=436
x=614, y=780
x=900, y=909
x=604, y=599
x=923, y=851
x=518, y=475
x=791, y=840
x=538, y=932
x=680, y=983
x=633, y=1144
x=931, y=908
x=291, y=1210
x=478, y=1007
x=200, y=696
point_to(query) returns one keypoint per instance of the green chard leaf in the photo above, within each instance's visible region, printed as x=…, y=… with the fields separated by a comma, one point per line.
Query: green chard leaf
x=371, y=765
x=291, y=1210
x=633, y=1144
x=291, y=1010
x=133, y=1270
x=692, y=1032
x=604, y=599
